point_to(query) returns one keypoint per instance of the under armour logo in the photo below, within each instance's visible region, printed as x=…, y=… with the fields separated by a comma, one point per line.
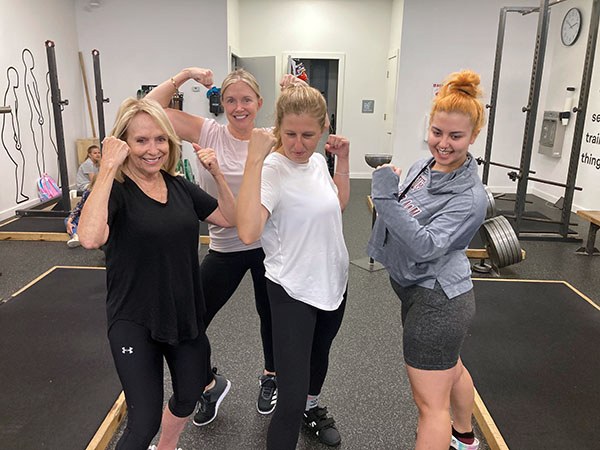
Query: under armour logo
x=127, y=350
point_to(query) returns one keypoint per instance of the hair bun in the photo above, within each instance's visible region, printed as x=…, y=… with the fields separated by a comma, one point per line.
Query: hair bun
x=465, y=81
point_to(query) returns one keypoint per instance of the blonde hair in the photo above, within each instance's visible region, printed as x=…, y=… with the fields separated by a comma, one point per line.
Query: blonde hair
x=299, y=99
x=130, y=108
x=241, y=75
x=460, y=92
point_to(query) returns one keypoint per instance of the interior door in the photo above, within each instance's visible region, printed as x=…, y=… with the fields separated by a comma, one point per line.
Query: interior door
x=263, y=69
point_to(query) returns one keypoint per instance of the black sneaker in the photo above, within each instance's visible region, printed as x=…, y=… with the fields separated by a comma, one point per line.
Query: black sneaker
x=267, y=394
x=322, y=426
x=208, y=406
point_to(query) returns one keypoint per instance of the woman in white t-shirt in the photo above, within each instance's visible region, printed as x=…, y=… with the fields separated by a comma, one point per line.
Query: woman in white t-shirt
x=289, y=200
x=228, y=258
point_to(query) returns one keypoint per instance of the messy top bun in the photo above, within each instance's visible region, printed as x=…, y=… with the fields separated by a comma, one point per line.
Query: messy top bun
x=460, y=93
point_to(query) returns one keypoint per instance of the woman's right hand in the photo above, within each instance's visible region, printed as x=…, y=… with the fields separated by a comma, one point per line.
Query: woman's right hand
x=261, y=144
x=114, y=152
x=202, y=76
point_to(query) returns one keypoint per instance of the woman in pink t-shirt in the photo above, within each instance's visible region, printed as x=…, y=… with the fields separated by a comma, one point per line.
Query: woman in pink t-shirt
x=228, y=258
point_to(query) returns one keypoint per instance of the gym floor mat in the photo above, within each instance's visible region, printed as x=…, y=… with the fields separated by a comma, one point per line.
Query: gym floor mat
x=34, y=229
x=58, y=381
x=35, y=224
x=532, y=351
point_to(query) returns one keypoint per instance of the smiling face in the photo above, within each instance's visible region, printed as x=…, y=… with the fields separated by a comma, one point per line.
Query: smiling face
x=300, y=134
x=450, y=135
x=241, y=104
x=148, y=146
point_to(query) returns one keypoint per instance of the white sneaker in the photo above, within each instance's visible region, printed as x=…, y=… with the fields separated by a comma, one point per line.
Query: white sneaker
x=72, y=243
x=458, y=445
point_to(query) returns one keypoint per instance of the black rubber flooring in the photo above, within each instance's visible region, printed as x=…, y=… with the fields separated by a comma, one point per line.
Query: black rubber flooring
x=57, y=381
x=533, y=354
x=52, y=225
x=35, y=225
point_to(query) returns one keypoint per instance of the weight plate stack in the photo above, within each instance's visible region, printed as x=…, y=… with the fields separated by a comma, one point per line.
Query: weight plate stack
x=501, y=242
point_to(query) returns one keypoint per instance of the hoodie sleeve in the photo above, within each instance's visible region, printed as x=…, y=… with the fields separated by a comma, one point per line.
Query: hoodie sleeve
x=447, y=229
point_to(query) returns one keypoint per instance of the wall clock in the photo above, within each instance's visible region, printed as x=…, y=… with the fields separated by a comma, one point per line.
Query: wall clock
x=571, y=26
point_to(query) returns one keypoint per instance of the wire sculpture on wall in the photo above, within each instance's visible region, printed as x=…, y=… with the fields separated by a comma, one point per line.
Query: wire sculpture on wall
x=35, y=109
x=12, y=76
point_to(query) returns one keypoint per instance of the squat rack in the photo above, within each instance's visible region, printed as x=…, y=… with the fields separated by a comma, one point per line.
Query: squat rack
x=523, y=174
x=64, y=202
x=100, y=100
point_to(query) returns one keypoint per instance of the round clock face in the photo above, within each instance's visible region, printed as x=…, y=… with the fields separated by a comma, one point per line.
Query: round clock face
x=571, y=26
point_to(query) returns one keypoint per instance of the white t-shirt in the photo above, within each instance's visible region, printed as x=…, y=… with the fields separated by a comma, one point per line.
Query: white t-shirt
x=231, y=155
x=304, y=245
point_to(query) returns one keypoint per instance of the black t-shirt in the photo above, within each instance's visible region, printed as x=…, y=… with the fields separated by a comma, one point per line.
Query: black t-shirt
x=153, y=272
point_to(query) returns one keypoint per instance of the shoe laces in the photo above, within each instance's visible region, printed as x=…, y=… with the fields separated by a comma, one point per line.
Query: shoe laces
x=204, y=401
x=318, y=415
x=267, y=386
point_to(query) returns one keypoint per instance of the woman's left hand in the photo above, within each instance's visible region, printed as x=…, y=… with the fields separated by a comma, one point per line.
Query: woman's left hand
x=208, y=159
x=338, y=145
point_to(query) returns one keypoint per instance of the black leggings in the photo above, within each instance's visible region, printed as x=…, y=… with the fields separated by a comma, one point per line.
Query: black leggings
x=221, y=274
x=302, y=337
x=139, y=362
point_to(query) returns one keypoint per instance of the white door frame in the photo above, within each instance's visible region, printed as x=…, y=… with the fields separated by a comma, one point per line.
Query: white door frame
x=341, y=59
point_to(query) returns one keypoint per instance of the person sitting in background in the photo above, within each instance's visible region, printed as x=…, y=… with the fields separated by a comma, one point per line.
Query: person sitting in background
x=89, y=168
x=72, y=220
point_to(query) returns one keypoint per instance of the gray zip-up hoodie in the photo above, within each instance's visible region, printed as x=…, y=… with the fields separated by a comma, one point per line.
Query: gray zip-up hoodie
x=422, y=239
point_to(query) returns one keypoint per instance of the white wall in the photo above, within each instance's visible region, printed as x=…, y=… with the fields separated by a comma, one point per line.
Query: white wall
x=396, y=24
x=233, y=25
x=28, y=24
x=145, y=42
x=358, y=29
x=441, y=37
x=564, y=67
x=148, y=41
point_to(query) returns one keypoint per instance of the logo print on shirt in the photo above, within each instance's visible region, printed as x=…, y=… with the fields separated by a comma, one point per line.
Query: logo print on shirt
x=127, y=350
x=412, y=209
x=419, y=183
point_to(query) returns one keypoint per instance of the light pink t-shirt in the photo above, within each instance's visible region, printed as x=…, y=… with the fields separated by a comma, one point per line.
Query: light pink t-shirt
x=231, y=155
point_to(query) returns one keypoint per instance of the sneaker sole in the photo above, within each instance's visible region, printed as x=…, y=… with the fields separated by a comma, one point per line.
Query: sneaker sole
x=264, y=413
x=219, y=400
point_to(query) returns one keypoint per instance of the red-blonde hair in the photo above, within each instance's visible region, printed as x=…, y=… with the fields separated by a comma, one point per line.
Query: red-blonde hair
x=460, y=92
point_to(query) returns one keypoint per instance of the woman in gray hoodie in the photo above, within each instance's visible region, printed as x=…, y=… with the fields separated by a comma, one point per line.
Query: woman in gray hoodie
x=424, y=224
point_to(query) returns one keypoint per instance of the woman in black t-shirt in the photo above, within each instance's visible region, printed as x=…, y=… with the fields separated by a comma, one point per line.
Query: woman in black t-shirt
x=148, y=220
